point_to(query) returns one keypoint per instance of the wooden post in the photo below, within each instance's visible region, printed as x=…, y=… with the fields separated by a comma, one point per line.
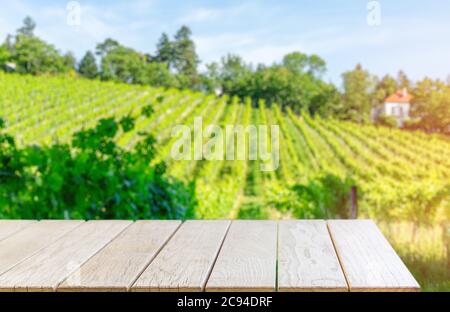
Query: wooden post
x=354, y=203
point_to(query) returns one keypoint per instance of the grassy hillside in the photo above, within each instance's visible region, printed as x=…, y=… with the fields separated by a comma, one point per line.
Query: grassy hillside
x=401, y=176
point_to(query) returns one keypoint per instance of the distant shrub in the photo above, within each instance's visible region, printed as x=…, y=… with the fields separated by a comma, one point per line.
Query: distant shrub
x=387, y=121
x=412, y=124
x=326, y=196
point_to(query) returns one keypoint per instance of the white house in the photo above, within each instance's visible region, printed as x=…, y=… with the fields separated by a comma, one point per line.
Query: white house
x=397, y=105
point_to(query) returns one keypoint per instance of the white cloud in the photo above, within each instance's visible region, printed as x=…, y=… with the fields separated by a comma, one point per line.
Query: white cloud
x=256, y=31
x=203, y=14
x=214, y=47
x=11, y=16
x=97, y=23
x=200, y=15
x=138, y=7
x=267, y=48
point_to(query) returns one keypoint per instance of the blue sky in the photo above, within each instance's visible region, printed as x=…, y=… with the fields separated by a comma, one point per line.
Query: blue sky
x=414, y=35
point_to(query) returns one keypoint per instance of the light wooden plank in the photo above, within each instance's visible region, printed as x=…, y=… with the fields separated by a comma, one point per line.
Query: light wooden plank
x=45, y=270
x=307, y=260
x=30, y=240
x=368, y=260
x=9, y=227
x=247, y=261
x=117, y=266
x=185, y=262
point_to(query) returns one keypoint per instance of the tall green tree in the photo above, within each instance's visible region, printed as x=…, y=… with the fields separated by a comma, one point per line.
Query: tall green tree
x=384, y=88
x=301, y=63
x=358, y=85
x=165, y=52
x=295, y=83
x=28, y=27
x=403, y=81
x=106, y=47
x=431, y=104
x=4, y=55
x=123, y=64
x=9, y=42
x=33, y=55
x=296, y=62
x=235, y=76
x=316, y=66
x=69, y=61
x=88, y=66
x=186, y=58
x=327, y=101
x=211, y=78
x=158, y=75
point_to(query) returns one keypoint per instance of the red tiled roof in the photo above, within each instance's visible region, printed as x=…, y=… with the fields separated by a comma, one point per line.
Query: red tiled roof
x=401, y=96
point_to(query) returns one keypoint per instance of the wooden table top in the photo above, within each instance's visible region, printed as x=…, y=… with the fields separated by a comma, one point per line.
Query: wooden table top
x=294, y=256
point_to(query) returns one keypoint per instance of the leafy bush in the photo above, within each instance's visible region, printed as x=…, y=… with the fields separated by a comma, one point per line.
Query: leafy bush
x=412, y=124
x=91, y=178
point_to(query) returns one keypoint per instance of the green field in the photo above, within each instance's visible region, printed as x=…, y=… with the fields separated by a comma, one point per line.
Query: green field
x=400, y=176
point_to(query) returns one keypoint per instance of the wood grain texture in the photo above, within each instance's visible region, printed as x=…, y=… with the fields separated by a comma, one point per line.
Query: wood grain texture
x=45, y=270
x=9, y=227
x=247, y=261
x=118, y=265
x=368, y=260
x=199, y=255
x=30, y=240
x=185, y=262
x=307, y=260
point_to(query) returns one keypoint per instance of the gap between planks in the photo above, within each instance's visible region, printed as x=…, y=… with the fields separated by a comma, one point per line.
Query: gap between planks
x=140, y=254
x=184, y=264
x=307, y=260
x=247, y=261
x=338, y=256
x=34, y=273
x=215, y=257
x=94, y=254
x=21, y=239
x=10, y=227
x=153, y=258
x=368, y=260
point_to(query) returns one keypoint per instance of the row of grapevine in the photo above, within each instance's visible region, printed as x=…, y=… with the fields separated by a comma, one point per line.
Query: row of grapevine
x=400, y=174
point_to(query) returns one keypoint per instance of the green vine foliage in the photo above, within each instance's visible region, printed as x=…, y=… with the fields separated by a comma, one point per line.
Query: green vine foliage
x=323, y=196
x=90, y=178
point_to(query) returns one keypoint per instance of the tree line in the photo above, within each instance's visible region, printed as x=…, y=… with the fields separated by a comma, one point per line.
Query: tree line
x=296, y=82
x=430, y=105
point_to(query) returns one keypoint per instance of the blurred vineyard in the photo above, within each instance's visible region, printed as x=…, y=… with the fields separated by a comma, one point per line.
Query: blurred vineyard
x=400, y=176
